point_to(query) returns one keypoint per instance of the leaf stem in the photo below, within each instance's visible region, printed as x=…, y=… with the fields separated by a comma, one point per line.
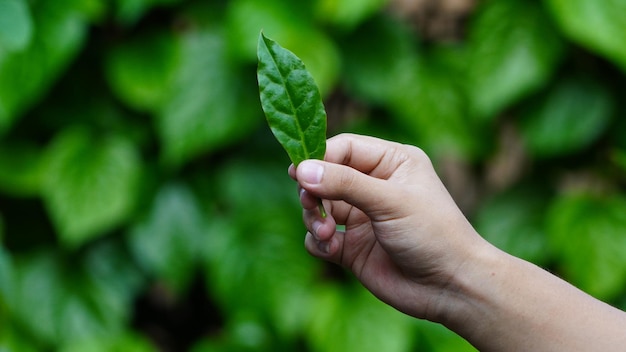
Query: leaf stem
x=320, y=206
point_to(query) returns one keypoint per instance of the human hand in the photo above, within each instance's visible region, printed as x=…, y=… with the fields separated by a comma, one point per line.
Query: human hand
x=404, y=236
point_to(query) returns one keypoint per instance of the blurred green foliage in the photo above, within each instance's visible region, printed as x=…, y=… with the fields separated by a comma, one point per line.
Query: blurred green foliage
x=144, y=204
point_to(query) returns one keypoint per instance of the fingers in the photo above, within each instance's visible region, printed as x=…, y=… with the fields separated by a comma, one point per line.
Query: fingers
x=330, y=250
x=373, y=156
x=339, y=182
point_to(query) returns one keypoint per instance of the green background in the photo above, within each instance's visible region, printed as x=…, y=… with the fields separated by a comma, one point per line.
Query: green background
x=145, y=205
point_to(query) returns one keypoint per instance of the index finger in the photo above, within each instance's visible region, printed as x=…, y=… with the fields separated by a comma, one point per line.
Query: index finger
x=373, y=156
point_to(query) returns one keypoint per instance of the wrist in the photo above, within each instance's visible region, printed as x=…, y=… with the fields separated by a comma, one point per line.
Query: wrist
x=466, y=300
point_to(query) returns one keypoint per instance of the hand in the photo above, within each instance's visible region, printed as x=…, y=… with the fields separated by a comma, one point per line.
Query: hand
x=409, y=244
x=404, y=236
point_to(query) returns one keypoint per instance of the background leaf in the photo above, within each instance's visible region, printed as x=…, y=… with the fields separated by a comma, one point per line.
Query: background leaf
x=16, y=26
x=20, y=169
x=514, y=222
x=209, y=104
x=289, y=24
x=337, y=328
x=596, y=26
x=27, y=74
x=167, y=243
x=574, y=114
x=347, y=14
x=513, y=51
x=73, y=305
x=587, y=234
x=90, y=184
x=142, y=70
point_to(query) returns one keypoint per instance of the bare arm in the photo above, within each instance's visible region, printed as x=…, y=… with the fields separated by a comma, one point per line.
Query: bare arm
x=409, y=244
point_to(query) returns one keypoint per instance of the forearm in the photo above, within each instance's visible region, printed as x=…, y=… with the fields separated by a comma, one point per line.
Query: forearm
x=501, y=303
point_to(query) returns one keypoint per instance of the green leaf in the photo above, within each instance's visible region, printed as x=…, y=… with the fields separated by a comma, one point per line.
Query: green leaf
x=167, y=242
x=252, y=249
x=16, y=27
x=90, y=184
x=12, y=340
x=587, y=235
x=350, y=320
x=437, y=338
x=26, y=75
x=380, y=60
x=129, y=341
x=290, y=23
x=513, y=51
x=21, y=169
x=514, y=222
x=291, y=102
x=571, y=116
x=75, y=299
x=598, y=25
x=211, y=104
x=130, y=11
x=347, y=14
x=619, y=159
x=141, y=70
x=6, y=282
x=434, y=109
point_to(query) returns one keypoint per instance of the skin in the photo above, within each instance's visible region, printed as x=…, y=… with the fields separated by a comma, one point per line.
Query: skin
x=409, y=244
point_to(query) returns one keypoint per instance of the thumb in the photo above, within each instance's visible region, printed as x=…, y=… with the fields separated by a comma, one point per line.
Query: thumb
x=340, y=182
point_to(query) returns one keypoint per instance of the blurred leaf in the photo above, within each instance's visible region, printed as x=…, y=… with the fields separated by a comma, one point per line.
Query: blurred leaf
x=244, y=332
x=619, y=158
x=91, y=10
x=587, y=235
x=290, y=24
x=12, y=341
x=141, y=70
x=59, y=302
x=129, y=342
x=435, y=110
x=90, y=184
x=514, y=222
x=380, y=60
x=38, y=288
x=130, y=11
x=257, y=246
x=513, y=50
x=437, y=338
x=26, y=75
x=16, y=27
x=20, y=169
x=110, y=281
x=6, y=283
x=571, y=116
x=352, y=320
x=598, y=25
x=210, y=104
x=383, y=66
x=347, y=14
x=167, y=242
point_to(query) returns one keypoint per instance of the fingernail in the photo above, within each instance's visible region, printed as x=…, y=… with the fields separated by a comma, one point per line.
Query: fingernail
x=311, y=172
x=301, y=192
x=324, y=246
x=316, y=227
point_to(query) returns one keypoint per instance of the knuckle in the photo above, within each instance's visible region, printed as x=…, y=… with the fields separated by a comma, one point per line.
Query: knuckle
x=347, y=181
x=418, y=154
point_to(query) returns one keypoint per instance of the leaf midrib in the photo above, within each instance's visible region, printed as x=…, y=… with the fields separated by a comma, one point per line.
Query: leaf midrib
x=284, y=84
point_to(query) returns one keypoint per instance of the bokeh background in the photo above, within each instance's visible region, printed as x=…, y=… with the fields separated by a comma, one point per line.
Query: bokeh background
x=145, y=205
